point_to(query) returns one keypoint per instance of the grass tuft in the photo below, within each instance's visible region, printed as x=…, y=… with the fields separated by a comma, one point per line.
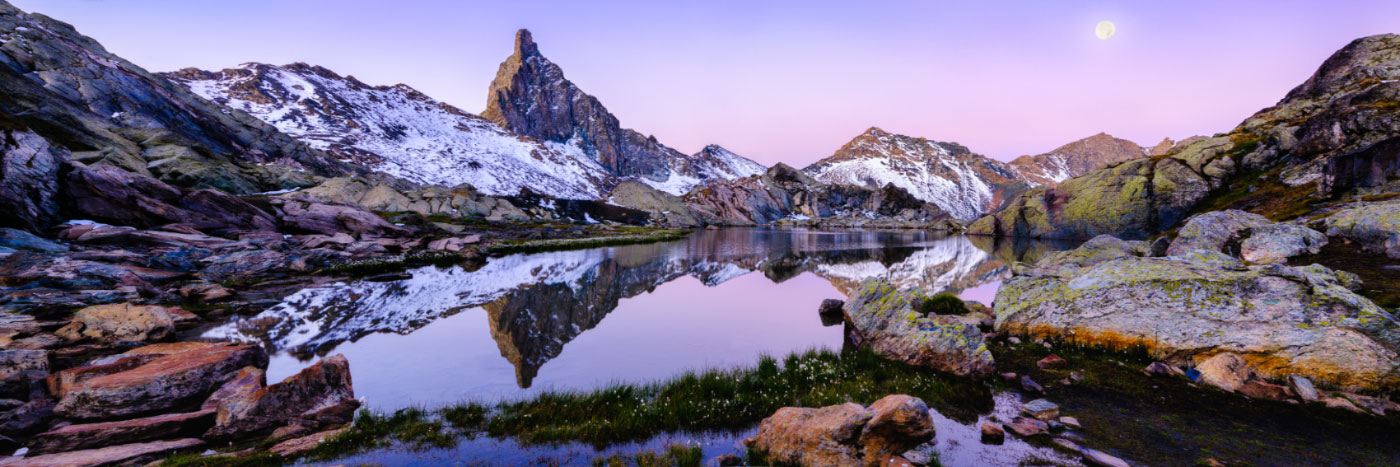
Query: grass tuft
x=943, y=304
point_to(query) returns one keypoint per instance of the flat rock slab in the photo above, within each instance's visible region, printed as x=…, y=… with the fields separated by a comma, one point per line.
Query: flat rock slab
x=1041, y=409
x=299, y=446
x=111, y=455
x=91, y=435
x=161, y=384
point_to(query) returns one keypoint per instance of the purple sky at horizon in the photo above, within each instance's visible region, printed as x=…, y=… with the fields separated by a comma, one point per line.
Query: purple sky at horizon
x=791, y=81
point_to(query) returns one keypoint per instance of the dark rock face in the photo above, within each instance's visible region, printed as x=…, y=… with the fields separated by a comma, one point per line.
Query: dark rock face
x=29, y=168
x=68, y=89
x=115, y=196
x=530, y=96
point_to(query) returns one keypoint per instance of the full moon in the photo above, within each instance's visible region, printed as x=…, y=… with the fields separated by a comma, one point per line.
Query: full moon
x=1104, y=30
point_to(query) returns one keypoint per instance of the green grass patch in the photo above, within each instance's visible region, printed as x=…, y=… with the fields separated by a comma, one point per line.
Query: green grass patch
x=715, y=400
x=943, y=304
x=561, y=244
x=675, y=455
x=394, y=263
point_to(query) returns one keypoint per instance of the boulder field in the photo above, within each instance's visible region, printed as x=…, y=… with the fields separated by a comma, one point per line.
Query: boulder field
x=1219, y=287
x=108, y=387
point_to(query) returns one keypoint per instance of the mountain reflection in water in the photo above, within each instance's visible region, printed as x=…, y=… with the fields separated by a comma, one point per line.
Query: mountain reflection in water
x=684, y=303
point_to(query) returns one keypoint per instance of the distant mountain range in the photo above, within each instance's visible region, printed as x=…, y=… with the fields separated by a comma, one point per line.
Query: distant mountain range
x=542, y=132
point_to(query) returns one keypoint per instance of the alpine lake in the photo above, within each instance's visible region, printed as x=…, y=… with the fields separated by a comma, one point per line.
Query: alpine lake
x=562, y=336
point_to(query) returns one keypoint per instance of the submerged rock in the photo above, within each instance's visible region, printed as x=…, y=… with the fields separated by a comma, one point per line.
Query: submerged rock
x=1279, y=319
x=845, y=434
x=890, y=321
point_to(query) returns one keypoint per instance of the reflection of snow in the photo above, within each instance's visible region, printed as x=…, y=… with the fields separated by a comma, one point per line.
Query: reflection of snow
x=951, y=263
x=316, y=317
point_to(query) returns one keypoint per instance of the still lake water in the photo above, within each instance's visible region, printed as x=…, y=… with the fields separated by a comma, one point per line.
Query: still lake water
x=579, y=320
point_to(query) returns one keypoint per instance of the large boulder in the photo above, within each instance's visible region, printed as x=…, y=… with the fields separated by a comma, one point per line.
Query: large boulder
x=1275, y=243
x=162, y=383
x=1253, y=237
x=844, y=435
x=1215, y=230
x=1375, y=226
x=1282, y=320
x=893, y=323
x=321, y=390
x=120, y=322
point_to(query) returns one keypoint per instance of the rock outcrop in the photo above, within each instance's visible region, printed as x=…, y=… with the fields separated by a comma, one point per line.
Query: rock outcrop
x=1332, y=135
x=66, y=88
x=1198, y=303
x=844, y=435
x=895, y=324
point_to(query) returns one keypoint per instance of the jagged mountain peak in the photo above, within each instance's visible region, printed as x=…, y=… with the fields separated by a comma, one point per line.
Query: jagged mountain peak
x=530, y=96
x=525, y=43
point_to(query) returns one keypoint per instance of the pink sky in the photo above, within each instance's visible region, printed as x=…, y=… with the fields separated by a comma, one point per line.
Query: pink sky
x=790, y=81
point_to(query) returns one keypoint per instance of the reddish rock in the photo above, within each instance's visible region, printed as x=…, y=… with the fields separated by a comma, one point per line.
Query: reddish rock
x=1261, y=390
x=992, y=433
x=898, y=423
x=1052, y=362
x=320, y=387
x=91, y=435
x=162, y=383
x=298, y=446
x=136, y=453
x=812, y=436
x=248, y=381
x=845, y=434
x=1026, y=426
x=59, y=383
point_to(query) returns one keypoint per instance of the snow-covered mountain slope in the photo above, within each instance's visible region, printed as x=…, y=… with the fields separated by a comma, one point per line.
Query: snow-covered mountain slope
x=963, y=183
x=400, y=131
x=1077, y=158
